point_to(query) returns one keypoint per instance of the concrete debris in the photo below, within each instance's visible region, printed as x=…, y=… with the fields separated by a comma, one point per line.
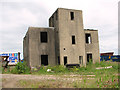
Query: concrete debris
x=48, y=70
x=104, y=67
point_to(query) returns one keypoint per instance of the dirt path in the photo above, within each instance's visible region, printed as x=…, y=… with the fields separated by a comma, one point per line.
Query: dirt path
x=11, y=80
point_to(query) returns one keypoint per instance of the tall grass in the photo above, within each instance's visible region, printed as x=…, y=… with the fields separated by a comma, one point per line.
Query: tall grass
x=59, y=69
x=102, y=77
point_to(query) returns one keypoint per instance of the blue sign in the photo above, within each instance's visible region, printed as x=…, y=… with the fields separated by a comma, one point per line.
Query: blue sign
x=113, y=58
x=13, y=57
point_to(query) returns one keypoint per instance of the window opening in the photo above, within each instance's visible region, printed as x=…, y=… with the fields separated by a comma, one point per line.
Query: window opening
x=72, y=15
x=43, y=37
x=73, y=39
x=88, y=38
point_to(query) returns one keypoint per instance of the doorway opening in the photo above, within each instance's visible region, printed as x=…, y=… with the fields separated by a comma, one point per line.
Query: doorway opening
x=65, y=60
x=81, y=59
x=89, y=57
x=58, y=60
x=44, y=60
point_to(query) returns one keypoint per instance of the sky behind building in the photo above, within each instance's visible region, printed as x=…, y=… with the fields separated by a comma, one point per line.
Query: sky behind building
x=17, y=15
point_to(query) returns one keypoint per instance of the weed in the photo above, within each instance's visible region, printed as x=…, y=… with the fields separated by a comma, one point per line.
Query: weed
x=103, y=77
x=21, y=68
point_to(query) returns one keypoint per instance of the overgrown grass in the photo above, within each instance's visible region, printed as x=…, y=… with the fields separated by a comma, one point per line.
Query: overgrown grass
x=20, y=68
x=104, y=78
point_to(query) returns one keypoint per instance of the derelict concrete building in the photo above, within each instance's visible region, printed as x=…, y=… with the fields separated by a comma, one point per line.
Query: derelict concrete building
x=64, y=42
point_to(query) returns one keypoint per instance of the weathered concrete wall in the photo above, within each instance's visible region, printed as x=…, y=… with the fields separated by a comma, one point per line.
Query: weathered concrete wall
x=36, y=48
x=53, y=22
x=60, y=40
x=26, y=48
x=94, y=46
x=66, y=28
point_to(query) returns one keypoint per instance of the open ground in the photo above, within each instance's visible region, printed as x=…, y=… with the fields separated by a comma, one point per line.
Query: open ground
x=86, y=77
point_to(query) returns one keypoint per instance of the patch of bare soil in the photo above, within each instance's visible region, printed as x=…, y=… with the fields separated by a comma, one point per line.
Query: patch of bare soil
x=11, y=80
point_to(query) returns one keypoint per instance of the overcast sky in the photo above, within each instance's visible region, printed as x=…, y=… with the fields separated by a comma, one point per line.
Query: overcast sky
x=17, y=15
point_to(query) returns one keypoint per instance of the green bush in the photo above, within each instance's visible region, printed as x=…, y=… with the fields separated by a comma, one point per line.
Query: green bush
x=75, y=69
x=21, y=68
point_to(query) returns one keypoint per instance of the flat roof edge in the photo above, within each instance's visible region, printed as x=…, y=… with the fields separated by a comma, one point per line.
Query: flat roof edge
x=90, y=30
x=41, y=27
x=68, y=9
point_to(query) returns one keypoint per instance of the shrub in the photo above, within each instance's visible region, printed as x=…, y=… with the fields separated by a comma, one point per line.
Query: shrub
x=21, y=68
x=75, y=69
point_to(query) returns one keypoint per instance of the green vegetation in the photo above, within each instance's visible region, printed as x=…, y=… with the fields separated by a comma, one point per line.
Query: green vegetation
x=102, y=78
x=20, y=68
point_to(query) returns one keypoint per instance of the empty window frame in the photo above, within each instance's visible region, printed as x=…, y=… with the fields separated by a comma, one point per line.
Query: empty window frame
x=73, y=39
x=72, y=15
x=58, y=60
x=43, y=37
x=88, y=38
x=89, y=57
x=65, y=60
x=44, y=60
x=81, y=59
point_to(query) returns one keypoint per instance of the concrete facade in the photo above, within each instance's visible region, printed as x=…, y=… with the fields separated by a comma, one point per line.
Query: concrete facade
x=93, y=47
x=34, y=48
x=66, y=41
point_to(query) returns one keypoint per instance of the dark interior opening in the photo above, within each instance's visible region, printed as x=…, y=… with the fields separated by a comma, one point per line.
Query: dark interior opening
x=81, y=59
x=58, y=60
x=43, y=37
x=73, y=39
x=72, y=66
x=44, y=60
x=88, y=38
x=72, y=15
x=89, y=57
x=65, y=60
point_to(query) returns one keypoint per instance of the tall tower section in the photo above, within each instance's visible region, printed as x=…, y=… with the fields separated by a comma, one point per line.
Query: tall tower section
x=69, y=36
